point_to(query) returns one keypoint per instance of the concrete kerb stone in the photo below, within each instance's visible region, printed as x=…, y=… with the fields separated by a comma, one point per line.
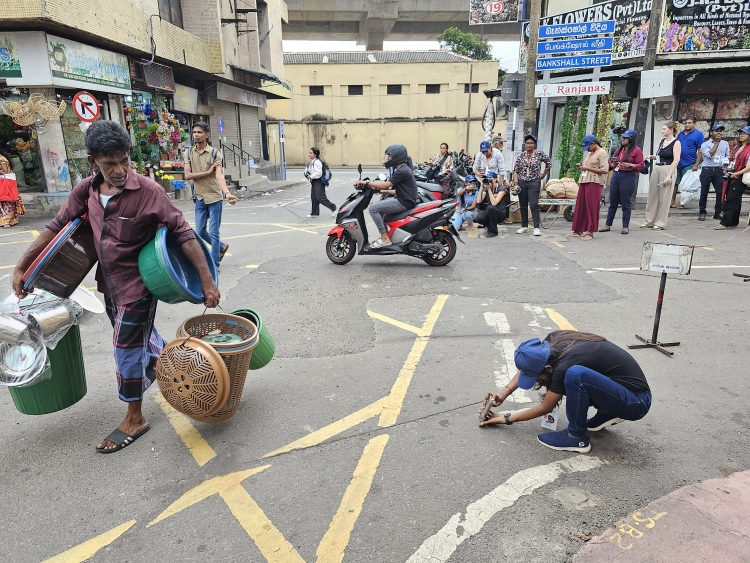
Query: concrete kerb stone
x=708, y=521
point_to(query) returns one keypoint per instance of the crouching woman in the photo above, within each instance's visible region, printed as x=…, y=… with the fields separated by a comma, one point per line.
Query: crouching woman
x=586, y=369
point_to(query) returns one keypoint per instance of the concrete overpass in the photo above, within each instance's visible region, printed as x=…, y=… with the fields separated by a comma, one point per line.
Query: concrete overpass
x=370, y=22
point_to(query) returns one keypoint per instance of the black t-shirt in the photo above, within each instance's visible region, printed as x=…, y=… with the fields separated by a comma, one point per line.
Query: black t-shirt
x=405, y=185
x=604, y=357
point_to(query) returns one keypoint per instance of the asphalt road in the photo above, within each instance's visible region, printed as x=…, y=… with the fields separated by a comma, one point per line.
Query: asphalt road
x=369, y=408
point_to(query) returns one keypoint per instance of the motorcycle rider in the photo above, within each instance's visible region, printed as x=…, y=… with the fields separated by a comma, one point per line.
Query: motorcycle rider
x=401, y=184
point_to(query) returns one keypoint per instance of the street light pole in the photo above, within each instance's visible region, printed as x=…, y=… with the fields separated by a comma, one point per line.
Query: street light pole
x=529, y=111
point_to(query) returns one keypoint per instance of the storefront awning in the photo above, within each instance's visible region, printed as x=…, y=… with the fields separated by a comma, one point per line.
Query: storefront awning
x=247, y=76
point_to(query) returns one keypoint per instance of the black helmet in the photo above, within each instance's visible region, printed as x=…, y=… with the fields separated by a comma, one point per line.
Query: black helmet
x=397, y=154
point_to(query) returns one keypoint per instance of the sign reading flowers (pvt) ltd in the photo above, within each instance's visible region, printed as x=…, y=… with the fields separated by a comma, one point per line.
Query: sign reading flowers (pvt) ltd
x=73, y=64
x=698, y=25
x=10, y=63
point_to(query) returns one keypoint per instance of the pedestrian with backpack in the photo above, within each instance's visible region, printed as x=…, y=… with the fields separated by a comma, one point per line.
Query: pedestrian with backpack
x=203, y=167
x=319, y=175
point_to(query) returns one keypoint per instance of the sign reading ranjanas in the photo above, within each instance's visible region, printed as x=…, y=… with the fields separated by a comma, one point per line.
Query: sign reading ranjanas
x=74, y=63
x=631, y=29
x=571, y=89
x=705, y=25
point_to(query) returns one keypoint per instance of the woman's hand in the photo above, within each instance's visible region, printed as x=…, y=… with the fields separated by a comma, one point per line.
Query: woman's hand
x=496, y=399
x=668, y=179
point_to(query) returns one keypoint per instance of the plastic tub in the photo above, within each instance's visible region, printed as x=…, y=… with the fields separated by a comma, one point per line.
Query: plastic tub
x=64, y=388
x=263, y=353
x=168, y=273
x=65, y=262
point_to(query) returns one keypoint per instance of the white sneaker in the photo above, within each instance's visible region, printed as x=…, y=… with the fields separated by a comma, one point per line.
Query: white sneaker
x=537, y=233
x=311, y=216
x=522, y=230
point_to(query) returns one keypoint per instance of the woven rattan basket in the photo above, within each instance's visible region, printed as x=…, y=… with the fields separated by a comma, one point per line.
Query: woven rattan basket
x=236, y=356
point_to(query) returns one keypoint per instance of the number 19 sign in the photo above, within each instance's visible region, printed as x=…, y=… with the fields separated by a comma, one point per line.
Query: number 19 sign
x=492, y=11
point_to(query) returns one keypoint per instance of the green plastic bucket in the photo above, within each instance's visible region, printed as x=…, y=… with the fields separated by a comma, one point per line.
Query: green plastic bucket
x=266, y=348
x=67, y=385
x=155, y=275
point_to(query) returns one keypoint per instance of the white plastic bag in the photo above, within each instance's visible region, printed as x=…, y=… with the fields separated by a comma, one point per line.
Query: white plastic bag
x=690, y=187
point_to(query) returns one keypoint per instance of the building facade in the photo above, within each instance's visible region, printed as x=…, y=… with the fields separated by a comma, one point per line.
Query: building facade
x=155, y=66
x=706, y=49
x=353, y=105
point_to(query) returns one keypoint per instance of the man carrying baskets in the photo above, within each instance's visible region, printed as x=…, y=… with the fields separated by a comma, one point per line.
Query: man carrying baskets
x=125, y=209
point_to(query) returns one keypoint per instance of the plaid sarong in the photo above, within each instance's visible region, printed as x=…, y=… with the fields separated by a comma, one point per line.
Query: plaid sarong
x=137, y=345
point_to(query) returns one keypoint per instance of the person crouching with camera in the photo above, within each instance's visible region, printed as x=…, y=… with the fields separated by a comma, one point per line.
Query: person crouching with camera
x=494, y=195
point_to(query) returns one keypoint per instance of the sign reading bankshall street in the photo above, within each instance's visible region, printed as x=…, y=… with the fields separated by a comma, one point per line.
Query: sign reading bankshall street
x=583, y=61
x=571, y=89
x=73, y=64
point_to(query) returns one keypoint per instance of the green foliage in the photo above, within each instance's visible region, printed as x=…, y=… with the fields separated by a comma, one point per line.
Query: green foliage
x=566, y=135
x=576, y=154
x=470, y=45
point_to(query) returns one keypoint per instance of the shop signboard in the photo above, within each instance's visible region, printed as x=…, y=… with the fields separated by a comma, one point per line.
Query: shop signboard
x=572, y=89
x=590, y=44
x=185, y=99
x=74, y=64
x=573, y=62
x=630, y=31
x=159, y=77
x=698, y=25
x=492, y=11
x=10, y=61
x=239, y=96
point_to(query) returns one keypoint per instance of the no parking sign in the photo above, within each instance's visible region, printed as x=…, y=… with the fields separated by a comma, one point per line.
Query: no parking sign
x=86, y=107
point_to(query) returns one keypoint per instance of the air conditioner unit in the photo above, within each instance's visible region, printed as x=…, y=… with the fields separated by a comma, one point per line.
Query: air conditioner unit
x=665, y=110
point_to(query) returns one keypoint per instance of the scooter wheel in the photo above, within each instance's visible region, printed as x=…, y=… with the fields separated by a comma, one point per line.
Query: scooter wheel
x=445, y=255
x=340, y=250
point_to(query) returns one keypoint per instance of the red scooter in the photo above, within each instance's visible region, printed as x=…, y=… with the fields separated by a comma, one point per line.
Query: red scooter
x=424, y=232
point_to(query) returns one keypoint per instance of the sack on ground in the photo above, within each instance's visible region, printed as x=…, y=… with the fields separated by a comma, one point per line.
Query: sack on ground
x=563, y=188
x=689, y=197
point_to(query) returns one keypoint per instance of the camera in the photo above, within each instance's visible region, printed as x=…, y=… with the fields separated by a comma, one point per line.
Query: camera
x=486, y=180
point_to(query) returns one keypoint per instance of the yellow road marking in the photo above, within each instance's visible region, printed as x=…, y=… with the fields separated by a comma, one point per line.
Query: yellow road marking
x=15, y=242
x=559, y=320
x=87, y=550
x=252, y=266
x=309, y=229
x=706, y=248
x=472, y=233
x=271, y=543
x=394, y=322
x=202, y=452
x=35, y=234
x=557, y=244
x=6, y=267
x=666, y=235
x=388, y=407
x=335, y=540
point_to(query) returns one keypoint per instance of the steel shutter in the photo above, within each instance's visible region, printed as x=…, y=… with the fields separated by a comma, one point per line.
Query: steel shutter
x=228, y=112
x=250, y=129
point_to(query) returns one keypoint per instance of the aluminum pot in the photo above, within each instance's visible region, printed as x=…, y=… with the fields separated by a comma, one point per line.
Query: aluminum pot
x=13, y=330
x=50, y=319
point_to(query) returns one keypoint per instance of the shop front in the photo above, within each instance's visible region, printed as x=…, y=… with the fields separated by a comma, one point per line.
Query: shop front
x=49, y=71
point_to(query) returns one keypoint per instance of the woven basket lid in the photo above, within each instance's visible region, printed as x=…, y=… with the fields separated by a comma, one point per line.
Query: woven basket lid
x=193, y=377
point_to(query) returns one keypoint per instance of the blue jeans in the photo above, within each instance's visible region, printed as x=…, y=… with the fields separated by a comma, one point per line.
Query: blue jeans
x=459, y=218
x=585, y=387
x=209, y=214
x=622, y=186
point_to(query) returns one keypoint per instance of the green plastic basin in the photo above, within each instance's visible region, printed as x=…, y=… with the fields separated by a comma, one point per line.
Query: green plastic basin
x=266, y=348
x=64, y=388
x=155, y=275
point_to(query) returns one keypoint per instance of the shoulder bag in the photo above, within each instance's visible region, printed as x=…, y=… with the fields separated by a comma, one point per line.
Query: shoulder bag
x=435, y=170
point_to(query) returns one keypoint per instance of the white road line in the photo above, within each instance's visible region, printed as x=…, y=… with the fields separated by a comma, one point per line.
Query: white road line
x=507, y=369
x=636, y=269
x=498, y=321
x=539, y=315
x=440, y=547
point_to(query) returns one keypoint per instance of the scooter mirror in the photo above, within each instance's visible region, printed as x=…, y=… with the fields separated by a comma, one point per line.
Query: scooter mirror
x=382, y=177
x=359, y=169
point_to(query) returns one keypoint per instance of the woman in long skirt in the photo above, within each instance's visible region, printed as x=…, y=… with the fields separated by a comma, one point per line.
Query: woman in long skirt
x=593, y=176
x=11, y=205
x=735, y=186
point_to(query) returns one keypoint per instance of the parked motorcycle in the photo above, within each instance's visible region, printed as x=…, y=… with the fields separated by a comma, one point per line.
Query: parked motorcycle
x=424, y=232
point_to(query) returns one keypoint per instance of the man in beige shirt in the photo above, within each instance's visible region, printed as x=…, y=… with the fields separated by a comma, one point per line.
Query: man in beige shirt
x=594, y=169
x=203, y=167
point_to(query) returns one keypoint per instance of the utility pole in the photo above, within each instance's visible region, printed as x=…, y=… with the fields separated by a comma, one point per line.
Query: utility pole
x=529, y=111
x=468, y=118
x=649, y=60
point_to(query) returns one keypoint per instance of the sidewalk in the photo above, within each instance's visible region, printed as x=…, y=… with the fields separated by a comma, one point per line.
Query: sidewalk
x=705, y=522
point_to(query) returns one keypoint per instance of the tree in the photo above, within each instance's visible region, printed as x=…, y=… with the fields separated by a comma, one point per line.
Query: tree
x=468, y=44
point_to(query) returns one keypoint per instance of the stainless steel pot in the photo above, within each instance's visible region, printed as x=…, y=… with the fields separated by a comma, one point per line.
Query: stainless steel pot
x=50, y=319
x=13, y=330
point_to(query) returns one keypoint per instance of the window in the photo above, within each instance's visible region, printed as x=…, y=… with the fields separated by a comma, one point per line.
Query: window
x=433, y=89
x=355, y=90
x=171, y=11
x=316, y=90
x=474, y=88
x=394, y=89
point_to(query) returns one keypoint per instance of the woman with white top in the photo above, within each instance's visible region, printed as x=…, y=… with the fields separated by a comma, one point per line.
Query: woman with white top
x=662, y=177
x=314, y=173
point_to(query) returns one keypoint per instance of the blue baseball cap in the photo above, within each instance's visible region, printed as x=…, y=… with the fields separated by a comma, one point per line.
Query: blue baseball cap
x=745, y=130
x=717, y=126
x=587, y=140
x=531, y=358
x=470, y=178
x=492, y=174
x=485, y=146
x=532, y=137
x=630, y=134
